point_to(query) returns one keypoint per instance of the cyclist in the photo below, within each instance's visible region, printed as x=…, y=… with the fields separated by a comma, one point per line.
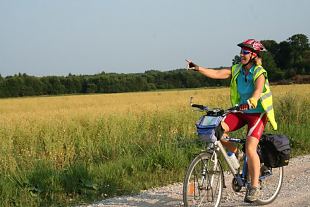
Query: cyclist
x=250, y=89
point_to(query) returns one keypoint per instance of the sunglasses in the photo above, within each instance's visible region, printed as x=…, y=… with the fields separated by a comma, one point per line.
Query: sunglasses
x=245, y=52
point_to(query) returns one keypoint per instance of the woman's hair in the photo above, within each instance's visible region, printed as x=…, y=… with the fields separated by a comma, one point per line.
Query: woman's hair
x=258, y=61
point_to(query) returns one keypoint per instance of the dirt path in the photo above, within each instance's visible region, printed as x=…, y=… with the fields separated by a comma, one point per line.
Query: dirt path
x=295, y=191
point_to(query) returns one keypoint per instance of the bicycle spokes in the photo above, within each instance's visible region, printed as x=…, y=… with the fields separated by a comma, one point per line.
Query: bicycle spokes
x=203, y=182
x=270, y=184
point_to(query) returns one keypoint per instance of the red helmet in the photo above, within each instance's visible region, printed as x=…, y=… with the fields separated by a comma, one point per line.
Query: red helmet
x=254, y=45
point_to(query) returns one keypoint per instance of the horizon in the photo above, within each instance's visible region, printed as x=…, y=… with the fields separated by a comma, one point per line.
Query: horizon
x=102, y=72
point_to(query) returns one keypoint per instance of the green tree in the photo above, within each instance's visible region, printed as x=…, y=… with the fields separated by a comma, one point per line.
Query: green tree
x=283, y=56
x=271, y=46
x=274, y=73
x=306, y=61
x=53, y=85
x=299, y=44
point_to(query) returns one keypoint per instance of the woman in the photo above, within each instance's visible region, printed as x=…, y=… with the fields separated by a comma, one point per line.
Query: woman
x=249, y=89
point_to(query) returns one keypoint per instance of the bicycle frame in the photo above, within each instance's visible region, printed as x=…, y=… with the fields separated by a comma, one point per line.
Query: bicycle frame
x=219, y=147
x=241, y=178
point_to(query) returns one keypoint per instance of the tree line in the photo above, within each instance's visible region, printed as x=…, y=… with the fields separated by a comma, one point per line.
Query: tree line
x=286, y=59
x=283, y=61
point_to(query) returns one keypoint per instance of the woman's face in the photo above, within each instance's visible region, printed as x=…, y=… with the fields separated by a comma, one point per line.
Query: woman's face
x=245, y=56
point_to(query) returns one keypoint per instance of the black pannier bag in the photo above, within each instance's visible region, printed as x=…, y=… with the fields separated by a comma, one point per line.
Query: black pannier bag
x=275, y=150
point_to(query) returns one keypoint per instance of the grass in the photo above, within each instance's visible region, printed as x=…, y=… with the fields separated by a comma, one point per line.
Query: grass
x=60, y=151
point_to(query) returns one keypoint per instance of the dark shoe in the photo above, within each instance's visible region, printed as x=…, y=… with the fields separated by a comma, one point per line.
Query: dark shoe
x=246, y=195
x=247, y=201
x=253, y=194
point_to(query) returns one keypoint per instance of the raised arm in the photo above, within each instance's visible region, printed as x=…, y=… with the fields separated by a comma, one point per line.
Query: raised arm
x=223, y=73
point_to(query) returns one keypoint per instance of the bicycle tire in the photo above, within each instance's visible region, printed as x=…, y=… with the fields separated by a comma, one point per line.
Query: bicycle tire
x=203, y=182
x=270, y=186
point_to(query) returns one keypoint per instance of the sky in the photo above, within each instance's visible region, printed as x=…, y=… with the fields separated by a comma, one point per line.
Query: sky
x=58, y=37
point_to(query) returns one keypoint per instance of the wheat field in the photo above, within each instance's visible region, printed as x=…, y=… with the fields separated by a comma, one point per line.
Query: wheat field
x=47, y=108
x=69, y=149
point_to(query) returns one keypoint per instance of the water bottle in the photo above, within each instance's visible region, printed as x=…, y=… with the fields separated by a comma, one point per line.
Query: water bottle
x=233, y=160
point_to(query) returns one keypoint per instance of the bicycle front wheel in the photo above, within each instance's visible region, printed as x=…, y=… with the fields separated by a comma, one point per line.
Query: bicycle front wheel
x=203, y=183
x=270, y=184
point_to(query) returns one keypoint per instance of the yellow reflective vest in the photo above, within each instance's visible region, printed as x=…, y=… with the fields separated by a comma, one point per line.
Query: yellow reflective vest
x=265, y=97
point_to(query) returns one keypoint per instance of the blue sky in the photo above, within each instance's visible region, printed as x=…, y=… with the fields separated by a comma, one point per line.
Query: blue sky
x=58, y=37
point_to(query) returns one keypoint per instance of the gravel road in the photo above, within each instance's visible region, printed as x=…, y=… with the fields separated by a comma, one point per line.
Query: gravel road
x=295, y=191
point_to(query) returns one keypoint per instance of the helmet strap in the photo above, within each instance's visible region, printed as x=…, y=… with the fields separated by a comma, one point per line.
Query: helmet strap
x=250, y=61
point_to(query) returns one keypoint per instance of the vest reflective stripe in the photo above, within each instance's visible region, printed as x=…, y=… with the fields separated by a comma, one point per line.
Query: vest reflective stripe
x=269, y=108
x=265, y=98
x=257, y=70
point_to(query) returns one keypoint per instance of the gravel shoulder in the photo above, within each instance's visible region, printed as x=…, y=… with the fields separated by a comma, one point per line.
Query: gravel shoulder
x=295, y=191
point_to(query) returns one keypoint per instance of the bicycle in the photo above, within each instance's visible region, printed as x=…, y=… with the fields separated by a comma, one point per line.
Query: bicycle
x=204, y=180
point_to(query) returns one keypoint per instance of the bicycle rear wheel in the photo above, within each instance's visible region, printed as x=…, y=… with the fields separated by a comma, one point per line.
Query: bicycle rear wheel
x=271, y=182
x=203, y=183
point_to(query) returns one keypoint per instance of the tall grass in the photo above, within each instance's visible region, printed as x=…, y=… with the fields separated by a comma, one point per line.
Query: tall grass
x=60, y=151
x=294, y=119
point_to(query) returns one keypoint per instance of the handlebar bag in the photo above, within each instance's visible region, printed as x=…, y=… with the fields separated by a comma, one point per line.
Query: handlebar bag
x=275, y=150
x=206, y=127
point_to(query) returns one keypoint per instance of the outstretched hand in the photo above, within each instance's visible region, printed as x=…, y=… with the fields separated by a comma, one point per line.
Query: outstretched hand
x=191, y=65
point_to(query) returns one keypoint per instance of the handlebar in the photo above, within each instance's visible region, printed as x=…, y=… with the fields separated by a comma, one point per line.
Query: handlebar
x=216, y=110
x=201, y=107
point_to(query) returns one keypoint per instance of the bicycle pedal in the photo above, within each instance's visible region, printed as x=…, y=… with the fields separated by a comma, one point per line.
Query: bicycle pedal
x=266, y=172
